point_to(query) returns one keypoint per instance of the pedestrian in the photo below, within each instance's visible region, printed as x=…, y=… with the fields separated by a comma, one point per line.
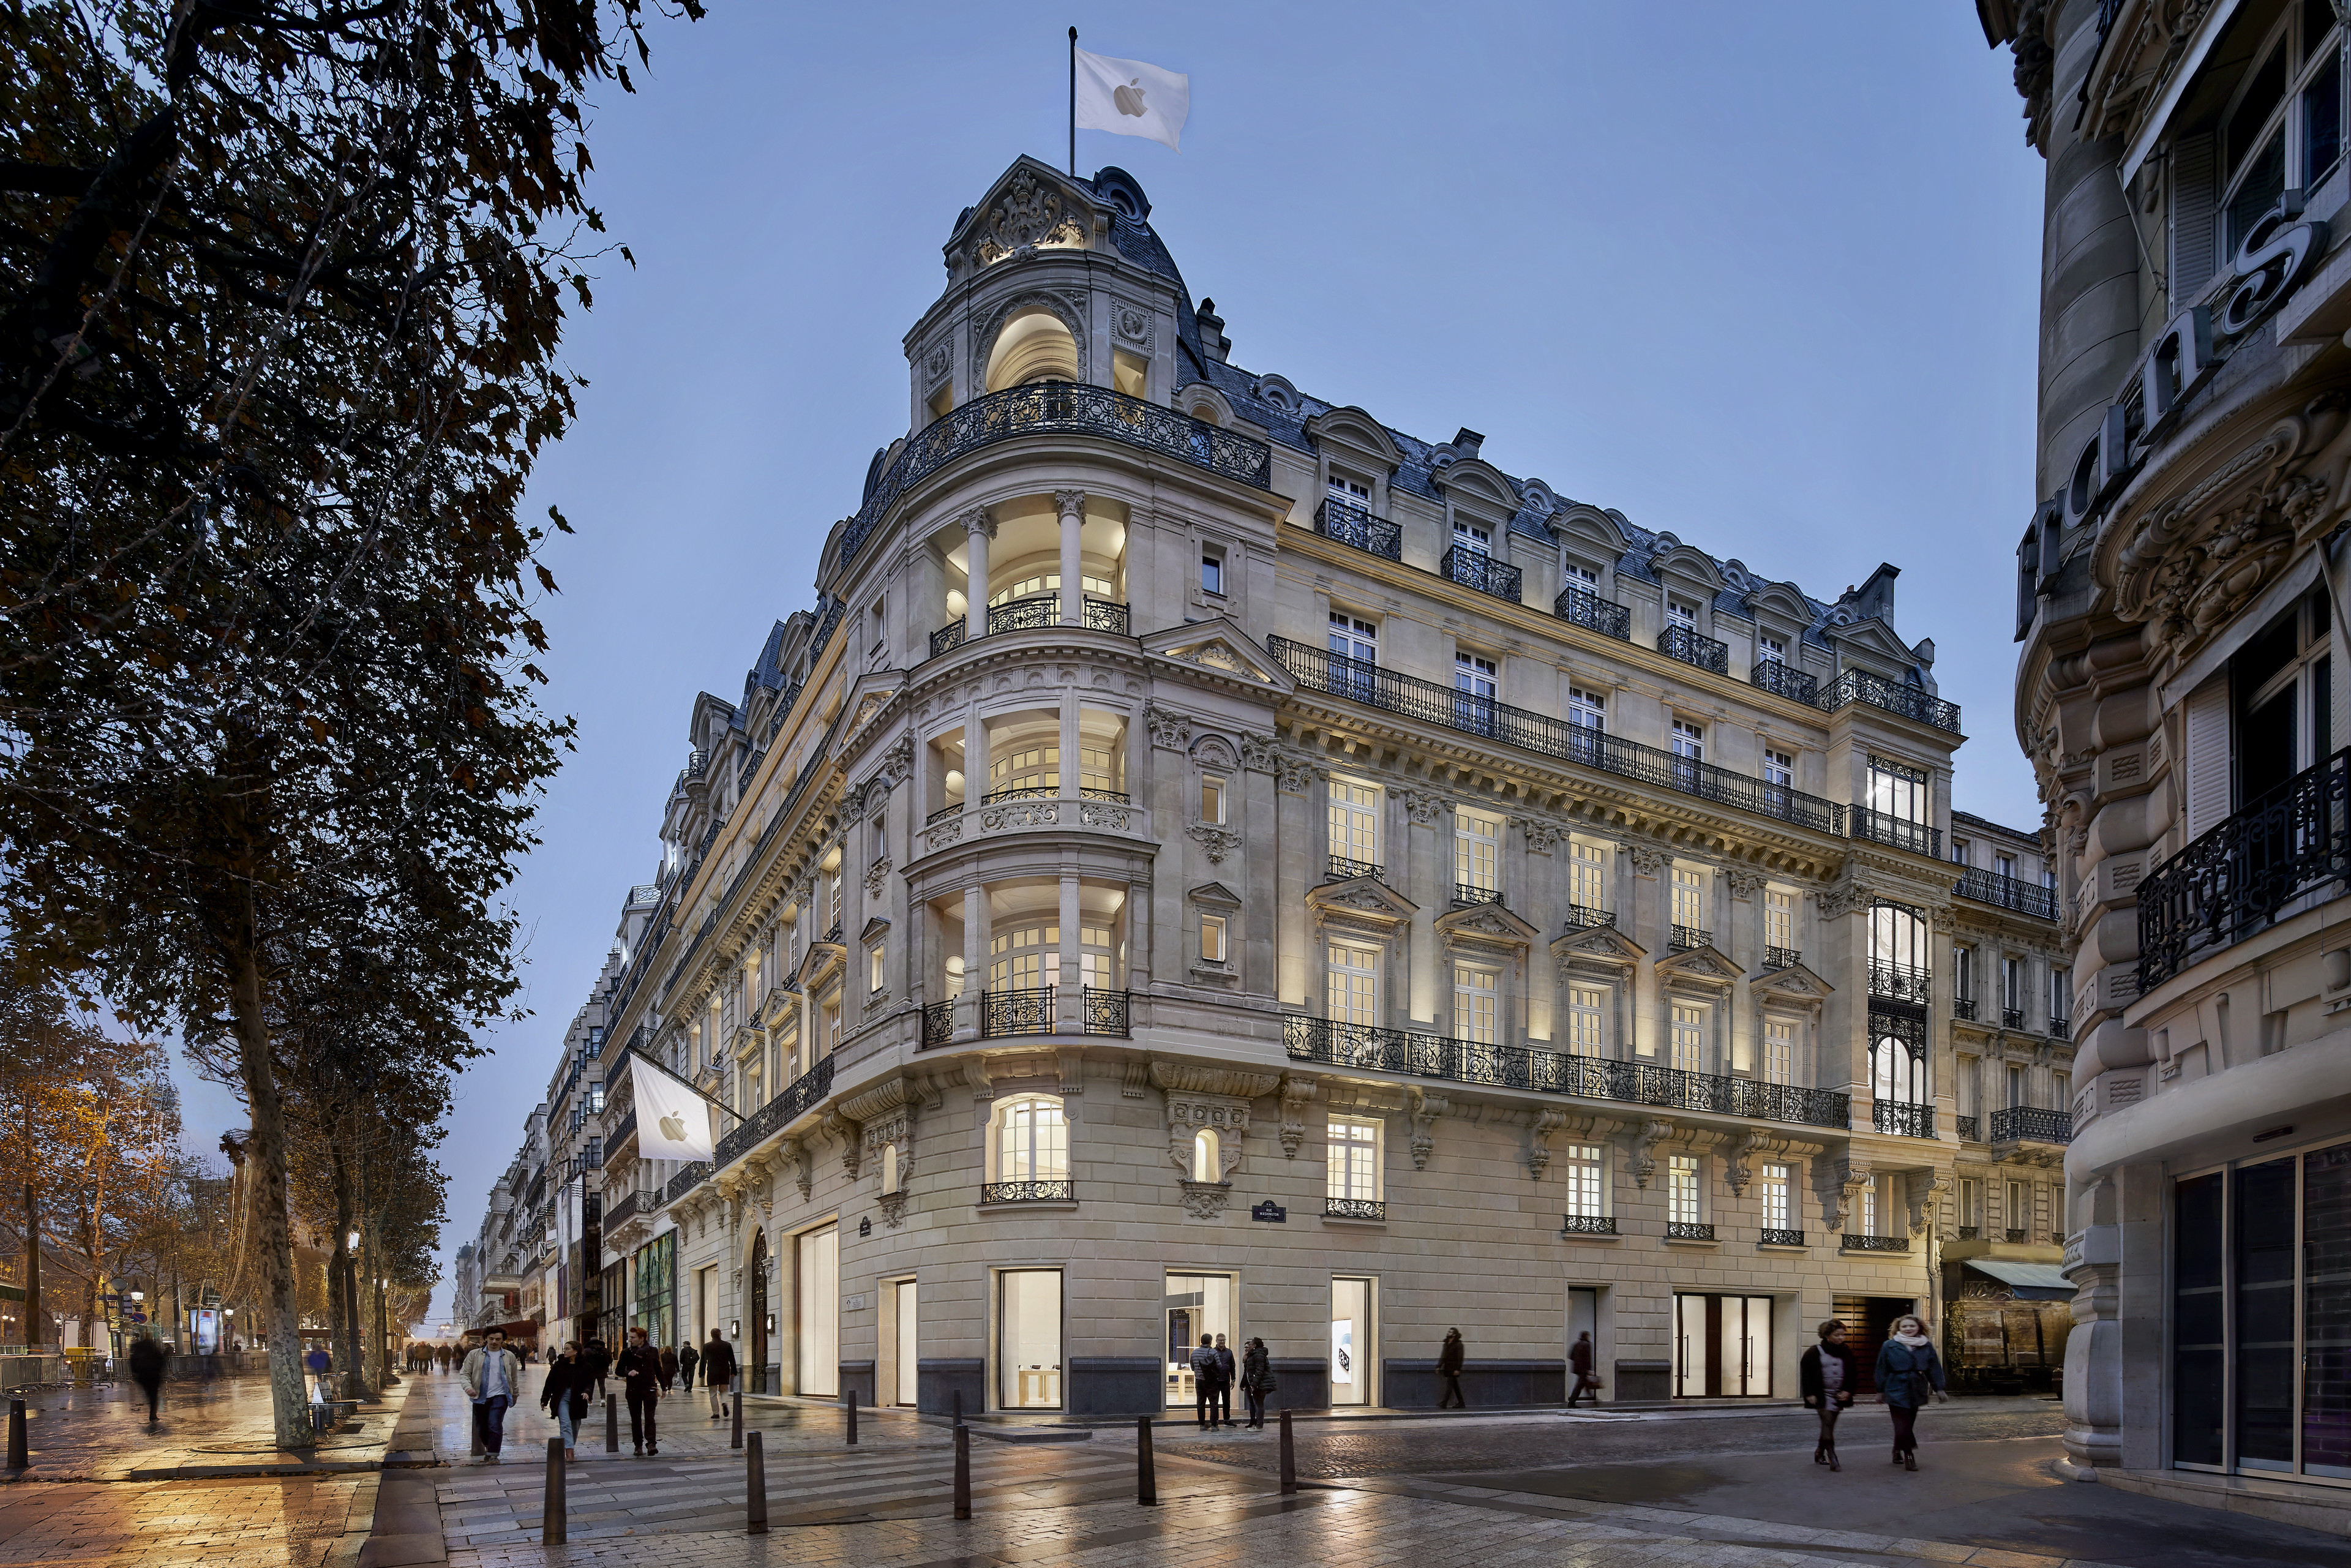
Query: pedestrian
x=1579, y=1361
x=1825, y=1379
x=1229, y=1372
x=493, y=1378
x=599, y=1362
x=641, y=1384
x=1908, y=1370
x=1257, y=1380
x=319, y=1364
x=687, y=1359
x=1449, y=1357
x=147, y=1371
x=669, y=1365
x=1204, y=1381
x=718, y=1372
x=565, y=1396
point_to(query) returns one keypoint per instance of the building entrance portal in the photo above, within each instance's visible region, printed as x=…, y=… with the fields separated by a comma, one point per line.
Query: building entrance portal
x=1196, y=1305
x=755, y=1369
x=1722, y=1347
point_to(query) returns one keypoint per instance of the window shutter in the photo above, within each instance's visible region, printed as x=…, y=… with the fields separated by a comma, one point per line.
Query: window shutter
x=2193, y=211
x=2207, y=756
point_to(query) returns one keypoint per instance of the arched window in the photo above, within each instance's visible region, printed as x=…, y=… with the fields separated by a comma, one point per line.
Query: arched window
x=889, y=1167
x=1031, y=1140
x=1031, y=345
x=1897, y=1057
x=1208, y=1164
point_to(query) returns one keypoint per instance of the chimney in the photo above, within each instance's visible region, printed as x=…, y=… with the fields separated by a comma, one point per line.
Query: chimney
x=1213, y=341
x=1875, y=600
x=1466, y=443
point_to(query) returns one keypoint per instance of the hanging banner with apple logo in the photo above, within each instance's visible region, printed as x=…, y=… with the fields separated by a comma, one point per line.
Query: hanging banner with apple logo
x=673, y=1118
x=1128, y=97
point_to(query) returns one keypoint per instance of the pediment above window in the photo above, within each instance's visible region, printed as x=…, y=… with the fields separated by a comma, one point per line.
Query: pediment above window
x=1601, y=944
x=1364, y=901
x=1794, y=983
x=1486, y=925
x=1708, y=967
x=1357, y=433
x=1221, y=648
x=1215, y=895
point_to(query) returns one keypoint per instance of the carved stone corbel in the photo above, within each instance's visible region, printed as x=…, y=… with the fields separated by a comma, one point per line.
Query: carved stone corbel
x=1735, y=1168
x=1548, y=1120
x=1136, y=1081
x=1924, y=1191
x=1297, y=1094
x=1424, y=1108
x=1645, y=1136
x=841, y=1128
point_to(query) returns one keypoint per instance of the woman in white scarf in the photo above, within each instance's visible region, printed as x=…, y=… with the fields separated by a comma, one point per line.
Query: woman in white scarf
x=1908, y=1370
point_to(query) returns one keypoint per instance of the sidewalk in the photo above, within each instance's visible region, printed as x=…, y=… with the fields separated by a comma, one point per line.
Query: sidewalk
x=210, y=1427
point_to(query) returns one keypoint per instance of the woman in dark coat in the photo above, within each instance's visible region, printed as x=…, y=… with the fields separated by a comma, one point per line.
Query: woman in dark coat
x=1257, y=1380
x=564, y=1396
x=1825, y=1378
x=1908, y=1370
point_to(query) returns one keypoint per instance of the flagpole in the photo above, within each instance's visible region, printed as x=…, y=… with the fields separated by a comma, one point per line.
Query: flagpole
x=627, y=1051
x=1073, y=103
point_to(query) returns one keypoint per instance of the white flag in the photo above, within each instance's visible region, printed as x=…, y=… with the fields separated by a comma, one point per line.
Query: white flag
x=1127, y=97
x=673, y=1121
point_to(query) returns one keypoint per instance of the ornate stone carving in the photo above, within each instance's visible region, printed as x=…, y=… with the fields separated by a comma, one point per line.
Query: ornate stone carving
x=1297, y=1094
x=1021, y=814
x=935, y=363
x=1423, y=806
x=1644, y=1135
x=1170, y=730
x=1104, y=814
x=1216, y=840
x=893, y=1209
x=1542, y=836
x=979, y=520
x=1189, y=1115
x=1548, y=1120
x=1257, y=752
x=1735, y=1169
x=1132, y=322
x=1425, y=1109
x=1925, y=1195
x=1841, y=899
x=1205, y=1199
x=1136, y=1080
x=877, y=875
x=1181, y=1078
x=1646, y=860
x=1744, y=884
x=1847, y=1180
x=1070, y=504
x=940, y=835
x=1030, y=212
x=1294, y=775
x=843, y=1131
x=898, y=762
x=794, y=1153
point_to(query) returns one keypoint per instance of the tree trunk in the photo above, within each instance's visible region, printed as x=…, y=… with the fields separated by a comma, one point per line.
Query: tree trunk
x=342, y=1269
x=36, y=1320
x=273, y=1235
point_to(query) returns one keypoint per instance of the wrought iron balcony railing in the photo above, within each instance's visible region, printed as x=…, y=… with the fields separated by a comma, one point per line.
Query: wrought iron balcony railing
x=2011, y=1018
x=2031, y=1124
x=1902, y=1119
x=620, y=1212
x=1781, y=1238
x=1885, y=828
x=1781, y=957
x=1410, y=1053
x=2015, y=1234
x=1353, y=1209
x=1876, y=1243
x=1587, y=1225
x=1895, y=696
x=1360, y=679
x=1970, y=1129
x=1963, y=1007
x=1782, y=679
x=1694, y=647
x=949, y=636
x=1028, y=612
x=1686, y=937
x=1060, y=407
x=1970, y=1232
x=1900, y=982
x=1106, y=615
x=1345, y=870
x=1581, y=607
x=801, y=1096
x=685, y=1181
x=1062, y=1191
x=1025, y=1011
x=1578, y=916
x=1470, y=892
x=2292, y=843
x=1688, y=1230
x=620, y=1132
x=1352, y=525
x=1108, y=1012
x=2060, y=1026
x=2008, y=892
x=1476, y=568
x=938, y=1023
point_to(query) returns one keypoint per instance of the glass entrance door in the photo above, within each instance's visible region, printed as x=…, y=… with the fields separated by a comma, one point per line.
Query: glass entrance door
x=1723, y=1346
x=1353, y=1343
x=757, y=1321
x=817, y=1325
x=906, y=1342
x=1196, y=1305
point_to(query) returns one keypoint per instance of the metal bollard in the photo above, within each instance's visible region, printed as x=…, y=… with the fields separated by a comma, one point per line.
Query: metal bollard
x=1146, y=1481
x=852, y=1417
x=754, y=1488
x=1288, y=1458
x=963, y=1472
x=552, y=1522
x=612, y=1423
x=735, y=1437
x=18, y=1457
x=958, y=1407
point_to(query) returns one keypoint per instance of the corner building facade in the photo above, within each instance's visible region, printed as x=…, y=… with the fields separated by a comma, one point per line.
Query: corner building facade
x=1213, y=863
x=2181, y=601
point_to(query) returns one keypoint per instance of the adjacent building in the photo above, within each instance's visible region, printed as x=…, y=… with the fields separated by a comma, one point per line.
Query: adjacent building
x=2179, y=601
x=1212, y=863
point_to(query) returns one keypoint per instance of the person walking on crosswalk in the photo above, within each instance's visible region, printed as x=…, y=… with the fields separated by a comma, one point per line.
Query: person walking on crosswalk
x=718, y=1372
x=493, y=1378
x=641, y=1381
x=688, y=1358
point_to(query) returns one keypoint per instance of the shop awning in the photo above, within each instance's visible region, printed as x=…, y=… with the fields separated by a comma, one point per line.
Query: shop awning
x=2030, y=1281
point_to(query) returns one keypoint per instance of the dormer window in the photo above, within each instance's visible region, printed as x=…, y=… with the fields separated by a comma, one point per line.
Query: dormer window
x=1350, y=493
x=1469, y=536
x=1681, y=613
x=1770, y=650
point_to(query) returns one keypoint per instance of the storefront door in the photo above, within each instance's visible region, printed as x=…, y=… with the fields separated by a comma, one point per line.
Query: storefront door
x=1723, y=1346
x=1353, y=1343
x=817, y=1320
x=906, y=1342
x=1197, y=1304
x=756, y=1321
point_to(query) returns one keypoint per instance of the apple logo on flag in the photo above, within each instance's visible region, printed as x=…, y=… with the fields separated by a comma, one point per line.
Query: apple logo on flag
x=673, y=1127
x=1129, y=98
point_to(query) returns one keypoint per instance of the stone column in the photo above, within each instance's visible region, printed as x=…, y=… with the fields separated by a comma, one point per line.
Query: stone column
x=1069, y=995
x=1072, y=504
x=975, y=958
x=979, y=529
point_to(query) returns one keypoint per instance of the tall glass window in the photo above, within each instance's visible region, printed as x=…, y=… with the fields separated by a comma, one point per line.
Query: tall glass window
x=1682, y=1189
x=1353, y=1155
x=1587, y=873
x=1354, y=984
x=1779, y=1051
x=1689, y=1037
x=818, y=1298
x=1032, y=1141
x=1585, y=1194
x=1779, y=920
x=1898, y=789
x=1587, y=1020
x=1028, y=1339
x=1354, y=822
x=1474, y=1013
x=1776, y=1190
x=1689, y=900
x=1476, y=842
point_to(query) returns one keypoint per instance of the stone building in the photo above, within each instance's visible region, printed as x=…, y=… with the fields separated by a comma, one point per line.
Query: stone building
x=2180, y=598
x=1214, y=864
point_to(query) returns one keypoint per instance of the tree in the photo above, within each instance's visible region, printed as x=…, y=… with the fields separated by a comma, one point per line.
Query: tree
x=281, y=287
